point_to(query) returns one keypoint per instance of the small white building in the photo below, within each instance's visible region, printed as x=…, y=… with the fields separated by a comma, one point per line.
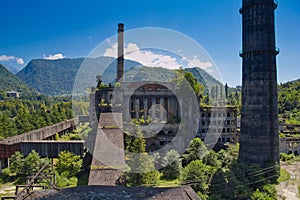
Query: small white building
x=13, y=94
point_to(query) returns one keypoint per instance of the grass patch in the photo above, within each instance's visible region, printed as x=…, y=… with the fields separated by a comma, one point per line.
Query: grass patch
x=165, y=183
x=284, y=176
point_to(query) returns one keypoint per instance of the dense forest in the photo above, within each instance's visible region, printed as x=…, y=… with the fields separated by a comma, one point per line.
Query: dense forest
x=19, y=116
x=9, y=82
x=57, y=77
x=289, y=101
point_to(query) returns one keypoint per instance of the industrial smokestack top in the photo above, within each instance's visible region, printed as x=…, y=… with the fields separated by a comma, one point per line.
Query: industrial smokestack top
x=120, y=65
x=120, y=27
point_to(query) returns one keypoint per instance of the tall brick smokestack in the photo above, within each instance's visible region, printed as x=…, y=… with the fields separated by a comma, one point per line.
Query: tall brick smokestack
x=259, y=141
x=120, y=65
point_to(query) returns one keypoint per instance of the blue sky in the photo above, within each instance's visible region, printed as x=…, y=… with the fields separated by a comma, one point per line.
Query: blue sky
x=36, y=29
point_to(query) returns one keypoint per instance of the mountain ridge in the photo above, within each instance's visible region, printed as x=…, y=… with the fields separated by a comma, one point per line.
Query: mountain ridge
x=74, y=75
x=10, y=82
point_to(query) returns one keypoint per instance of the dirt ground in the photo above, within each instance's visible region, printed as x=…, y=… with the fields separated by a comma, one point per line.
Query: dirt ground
x=289, y=189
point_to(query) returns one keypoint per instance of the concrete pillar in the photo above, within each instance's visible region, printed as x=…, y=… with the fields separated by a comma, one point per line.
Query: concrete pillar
x=137, y=108
x=170, y=111
x=153, y=106
x=145, y=108
x=126, y=104
x=161, y=109
x=176, y=107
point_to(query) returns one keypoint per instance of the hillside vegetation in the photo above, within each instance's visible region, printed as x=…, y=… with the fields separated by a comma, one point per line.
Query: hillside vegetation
x=9, y=82
x=57, y=77
x=20, y=116
x=289, y=101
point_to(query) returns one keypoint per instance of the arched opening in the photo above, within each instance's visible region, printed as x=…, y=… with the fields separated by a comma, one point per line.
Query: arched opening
x=171, y=133
x=161, y=132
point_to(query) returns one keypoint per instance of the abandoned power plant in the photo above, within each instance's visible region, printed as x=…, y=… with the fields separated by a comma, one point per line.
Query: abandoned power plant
x=168, y=121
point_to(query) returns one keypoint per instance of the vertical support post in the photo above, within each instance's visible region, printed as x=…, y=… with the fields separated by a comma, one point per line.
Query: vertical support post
x=137, y=108
x=153, y=106
x=145, y=108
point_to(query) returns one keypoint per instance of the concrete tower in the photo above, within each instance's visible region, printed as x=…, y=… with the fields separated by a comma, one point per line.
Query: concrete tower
x=259, y=123
x=120, y=65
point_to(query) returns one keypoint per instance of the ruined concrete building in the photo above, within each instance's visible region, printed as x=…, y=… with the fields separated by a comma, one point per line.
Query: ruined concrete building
x=156, y=102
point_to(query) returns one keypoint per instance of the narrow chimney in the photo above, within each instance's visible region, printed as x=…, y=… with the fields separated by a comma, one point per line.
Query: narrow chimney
x=120, y=65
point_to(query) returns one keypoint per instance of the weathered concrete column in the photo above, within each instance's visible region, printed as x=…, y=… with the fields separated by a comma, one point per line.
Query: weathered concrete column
x=175, y=107
x=145, y=108
x=170, y=111
x=125, y=107
x=153, y=106
x=137, y=108
x=161, y=109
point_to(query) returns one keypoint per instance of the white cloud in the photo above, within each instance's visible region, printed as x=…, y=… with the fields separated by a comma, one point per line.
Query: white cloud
x=146, y=57
x=151, y=59
x=54, y=56
x=20, y=61
x=196, y=62
x=6, y=58
x=112, y=51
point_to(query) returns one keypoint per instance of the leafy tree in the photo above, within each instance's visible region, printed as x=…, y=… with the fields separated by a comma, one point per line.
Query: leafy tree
x=68, y=164
x=267, y=192
x=23, y=166
x=135, y=143
x=195, y=151
x=229, y=156
x=211, y=158
x=143, y=164
x=140, y=161
x=17, y=163
x=197, y=87
x=200, y=174
x=7, y=127
x=171, y=165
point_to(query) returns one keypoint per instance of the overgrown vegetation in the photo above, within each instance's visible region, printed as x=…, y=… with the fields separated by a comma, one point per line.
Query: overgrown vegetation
x=21, y=166
x=139, y=161
x=67, y=167
x=213, y=175
x=81, y=133
x=20, y=116
x=9, y=82
x=289, y=101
